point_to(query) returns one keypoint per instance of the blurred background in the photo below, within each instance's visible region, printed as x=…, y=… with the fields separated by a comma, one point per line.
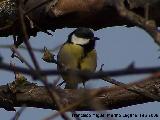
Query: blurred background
x=118, y=47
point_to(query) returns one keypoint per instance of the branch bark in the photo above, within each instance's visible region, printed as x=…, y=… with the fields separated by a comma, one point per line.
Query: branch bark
x=95, y=14
x=111, y=98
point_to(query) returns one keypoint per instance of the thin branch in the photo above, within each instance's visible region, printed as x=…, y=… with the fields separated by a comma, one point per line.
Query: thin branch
x=19, y=112
x=29, y=48
x=148, y=25
x=25, y=35
x=135, y=89
x=34, y=49
x=91, y=75
x=21, y=57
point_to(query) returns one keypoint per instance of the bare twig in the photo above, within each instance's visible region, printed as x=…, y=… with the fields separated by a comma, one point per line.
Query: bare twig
x=26, y=37
x=29, y=48
x=135, y=89
x=91, y=75
x=34, y=49
x=21, y=57
x=18, y=113
x=148, y=25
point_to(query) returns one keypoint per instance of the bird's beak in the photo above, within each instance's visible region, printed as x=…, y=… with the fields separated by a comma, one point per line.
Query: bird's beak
x=96, y=38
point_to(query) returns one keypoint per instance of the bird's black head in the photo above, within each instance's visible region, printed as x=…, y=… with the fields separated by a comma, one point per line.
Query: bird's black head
x=84, y=37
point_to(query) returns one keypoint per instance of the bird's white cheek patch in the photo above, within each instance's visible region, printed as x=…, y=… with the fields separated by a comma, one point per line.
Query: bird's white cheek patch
x=79, y=41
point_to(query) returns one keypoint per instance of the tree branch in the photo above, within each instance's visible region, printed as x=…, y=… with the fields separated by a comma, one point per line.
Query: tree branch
x=95, y=14
x=93, y=75
x=111, y=98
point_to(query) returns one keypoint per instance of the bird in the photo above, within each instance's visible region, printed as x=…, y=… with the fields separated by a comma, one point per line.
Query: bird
x=77, y=53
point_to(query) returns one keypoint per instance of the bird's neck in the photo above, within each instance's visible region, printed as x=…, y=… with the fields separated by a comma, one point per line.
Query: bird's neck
x=88, y=47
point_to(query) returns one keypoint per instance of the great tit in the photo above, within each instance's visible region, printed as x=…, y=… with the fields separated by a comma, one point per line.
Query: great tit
x=77, y=53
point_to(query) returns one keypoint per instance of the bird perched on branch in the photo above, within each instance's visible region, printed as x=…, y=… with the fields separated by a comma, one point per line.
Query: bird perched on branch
x=77, y=53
